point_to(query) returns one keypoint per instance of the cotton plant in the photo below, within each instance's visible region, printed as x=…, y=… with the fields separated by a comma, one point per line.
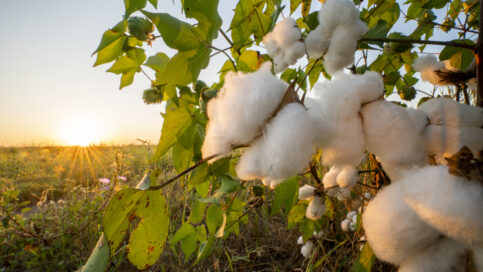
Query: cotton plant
x=284, y=44
x=308, y=246
x=336, y=35
x=316, y=208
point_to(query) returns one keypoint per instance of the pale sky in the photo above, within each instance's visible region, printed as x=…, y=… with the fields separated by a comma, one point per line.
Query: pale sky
x=48, y=86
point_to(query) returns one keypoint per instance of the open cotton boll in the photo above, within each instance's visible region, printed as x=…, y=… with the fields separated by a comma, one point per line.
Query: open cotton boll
x=419, y=118
x=271, y=44
x=307, y=248
x=345, y=225
x=337, y=12
x=306, y=192
x=444, y=141
x=279, y=63
x=317, y=42
x=315, y=209
x=427, y=65
x=450, y=204
x=286, y=32
x=343, y=44
x=241, y=108
x=393, y=136
x=445, y=255
x=446, y=111
x=330, y=178
x=300, y=240
x=370, y=87
x=284, y=149
x=393, y=230
x=294, y=52
x=347, y=177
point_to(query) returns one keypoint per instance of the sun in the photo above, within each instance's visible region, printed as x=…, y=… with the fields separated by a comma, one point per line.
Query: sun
x=81, y=131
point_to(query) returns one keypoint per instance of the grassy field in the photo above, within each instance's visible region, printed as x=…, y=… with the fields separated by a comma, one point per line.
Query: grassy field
x=51, y=202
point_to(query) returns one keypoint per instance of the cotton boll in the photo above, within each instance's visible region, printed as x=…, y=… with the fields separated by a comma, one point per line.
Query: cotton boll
x=342, y=46
x=444, y=141
x=445, y=255
x=317, y=42
x=285, y=148
x=393, y=230
x=337, y=12
x=347, y=177
x=352, y=226
x=279, y=63
x=427, y=65
x=345, y=225
x=300, y=240
x=294, y=52
x=319, y=234
x=271, y=44
x=371, y=87
x=393, y=136
x=330, y=178
x=351, y=214
x=286, y=32
x=307, y=248
x=446, y=111
x=450, y=204
x=320, y=121
x=315, y=209
x=306, y=192
x=343, y=194
x=419, y=118
x=240, y=110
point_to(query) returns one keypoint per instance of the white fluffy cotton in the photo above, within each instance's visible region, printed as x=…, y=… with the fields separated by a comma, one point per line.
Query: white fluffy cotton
x=348, y=177
x=283, y=44
x=445, y=255
x=300, y=240
x=444, y=141
x=240, y=110
x=330, y=178
x=284, y=149
x=307, y=248
x=447, y=112
x=315, y=209
x=393, y=136
x=334, y=106
x=427, y=65
x=393, y=230
x=450, y=204
x=336, y=35
x=306, y=192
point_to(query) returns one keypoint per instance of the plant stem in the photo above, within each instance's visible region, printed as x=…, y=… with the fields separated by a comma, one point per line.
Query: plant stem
x=445, y=43
x=228, y=56
x=226, y=37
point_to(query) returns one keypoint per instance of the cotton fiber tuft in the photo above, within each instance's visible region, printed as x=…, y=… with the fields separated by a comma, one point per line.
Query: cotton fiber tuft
x=284, y=149
x=447, y=112
x=242, y=107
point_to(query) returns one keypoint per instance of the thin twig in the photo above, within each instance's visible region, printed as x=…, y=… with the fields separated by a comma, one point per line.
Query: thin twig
x=445, y=43
x=367, y=185
x=228, y=56
x=226, y=37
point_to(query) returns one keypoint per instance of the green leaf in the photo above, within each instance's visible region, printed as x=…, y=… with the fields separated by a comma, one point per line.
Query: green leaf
x=123, y=65
x=285, y=195
x=181, y=157
x=229, y=185
x=175, y=33
x=379, y=31
x=154, y=3
x=197, y=212
x=110, y=47
x=127, y=78
x=133, y=6
x=205, y=249
x=214, y=218
x=140, y=27
x=148, y=237
x=174, y=124
x=365, y=260
x=249, y=19
x=294, y=4
x=306, y=7
x=99, y=258
x=387, y=10
x=185, y=230
x=312, y=20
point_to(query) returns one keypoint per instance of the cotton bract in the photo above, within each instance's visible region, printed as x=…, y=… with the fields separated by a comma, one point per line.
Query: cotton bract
x=283, y=44
x=239, y=112
x=336, y=35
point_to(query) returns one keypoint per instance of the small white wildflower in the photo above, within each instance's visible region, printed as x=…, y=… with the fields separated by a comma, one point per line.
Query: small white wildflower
x=104, y=180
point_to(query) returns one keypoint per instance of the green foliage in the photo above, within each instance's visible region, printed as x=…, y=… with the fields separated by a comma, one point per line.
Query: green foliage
x=214, y=201
x=147, y=239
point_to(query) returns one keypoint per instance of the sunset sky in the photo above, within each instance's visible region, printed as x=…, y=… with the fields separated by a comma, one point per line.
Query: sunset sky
x=49, y=91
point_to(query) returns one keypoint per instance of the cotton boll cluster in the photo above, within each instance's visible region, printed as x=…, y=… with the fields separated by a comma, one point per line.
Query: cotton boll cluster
x=394, y=136
x=308, y=246
x=350, y=222
x=334, y=106
x=347, y=176
x=447, y=112
x=243, y=106
x=336, y=35
x=283, y=44
x=316, y=207
x=449, y=203
x=284, y=149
